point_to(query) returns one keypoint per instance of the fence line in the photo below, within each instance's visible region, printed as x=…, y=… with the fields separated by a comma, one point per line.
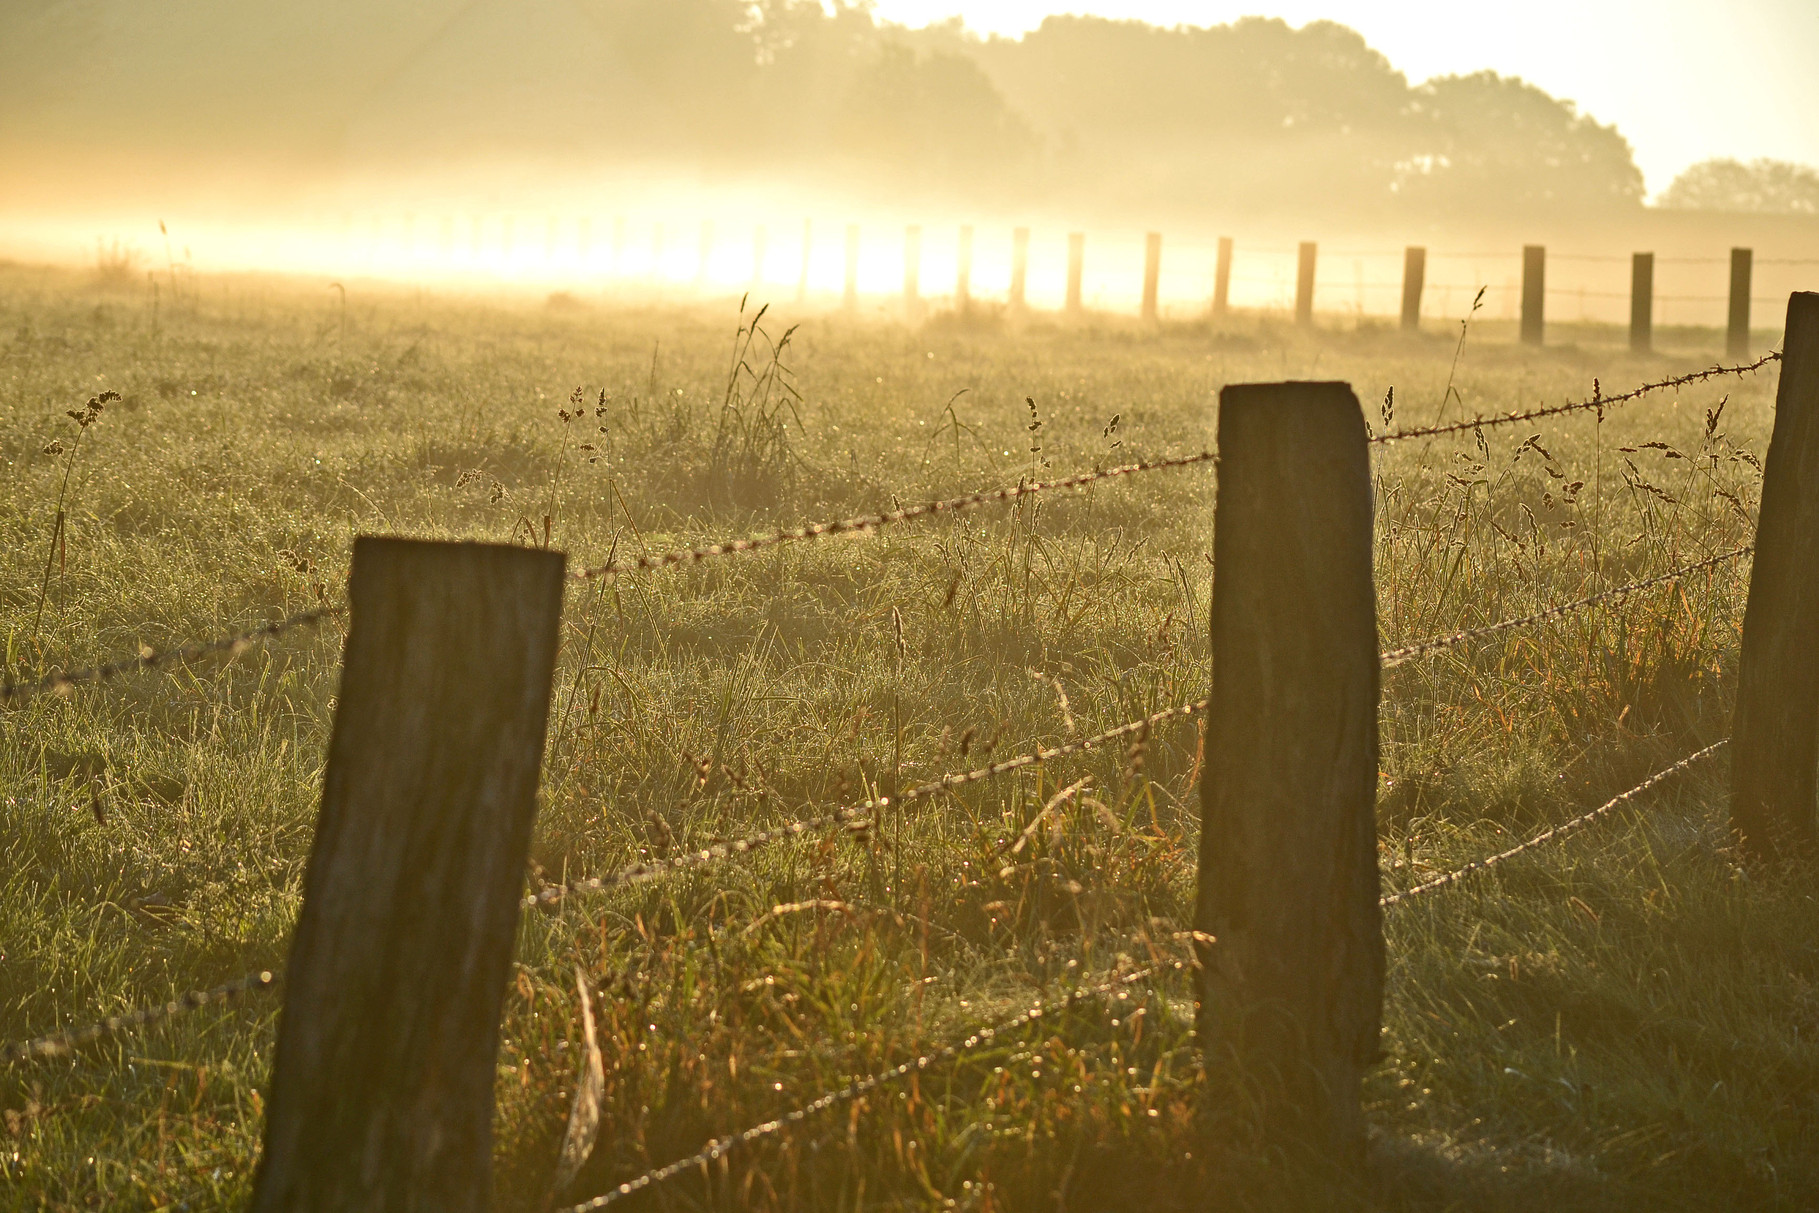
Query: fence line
x=1559, y=831
x=722, y=1146
x=866, y=523
x=1421, y=648
x=56, y=1044
x=850, y=815
x=1598, y=401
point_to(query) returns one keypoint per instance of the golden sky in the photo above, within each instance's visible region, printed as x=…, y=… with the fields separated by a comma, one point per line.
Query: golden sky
x=1683, y=79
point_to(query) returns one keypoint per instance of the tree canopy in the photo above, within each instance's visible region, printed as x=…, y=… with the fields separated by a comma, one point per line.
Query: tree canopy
x=1769, y=187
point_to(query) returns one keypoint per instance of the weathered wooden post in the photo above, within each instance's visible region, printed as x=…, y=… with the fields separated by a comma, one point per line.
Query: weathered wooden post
x=1020, y=266
x=912, y=270
x=1534, y=293
x=963, y=273
x=382, y=1087
x=1642, y=302
x=850, y=296
x=1076, y=269
x=1222, y=277
x=1775, y=731
x=1292, y=983
x=1304, y=284
x=1737, y=342
x=1152, y=273
x=808, y=245
x=1414, y=281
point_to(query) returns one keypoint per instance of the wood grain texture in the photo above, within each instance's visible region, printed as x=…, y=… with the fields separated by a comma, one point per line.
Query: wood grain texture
x=382, y=1094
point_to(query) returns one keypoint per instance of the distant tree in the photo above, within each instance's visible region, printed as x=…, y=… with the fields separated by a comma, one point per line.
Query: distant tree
x=1770, y=187
x=933, y=113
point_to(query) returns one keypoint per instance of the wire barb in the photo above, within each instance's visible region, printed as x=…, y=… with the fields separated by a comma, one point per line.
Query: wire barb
x=847, y=815
x=1596, y=402
x=1421, y=648
x=57, y=1044
x=149, y=660
x=1549, y=835
x=871, y=522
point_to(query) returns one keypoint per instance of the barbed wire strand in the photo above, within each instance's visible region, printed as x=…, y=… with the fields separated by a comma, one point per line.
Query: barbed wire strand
x=871, y=522
x=847, y=815
x=1549, y=835
x=859, y=1087
x=1421, y=648
x=1599, y=402
x=58, y=1044
x=236, y=644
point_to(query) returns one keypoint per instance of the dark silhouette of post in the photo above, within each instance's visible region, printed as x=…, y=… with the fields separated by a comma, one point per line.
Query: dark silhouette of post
x=1534, y=293
x=1222, y=277
x=850, y=296
x=963, y=274
x=1775, y=729
x=1737, y=342
x=1152, y=273
x=382, y=1085
x=1304, y=284
x=1020, y=266
x=1076, y=268
x=1642, y=302
x=1292, y=978
x=912, y=270
x=808, y=244
x=1414, y=281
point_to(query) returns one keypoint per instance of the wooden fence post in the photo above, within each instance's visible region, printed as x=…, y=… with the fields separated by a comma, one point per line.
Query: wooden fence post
x=382, y=1087
x=1292, y=984
x=1020, y=265
x=1642, y=302
x=808, y=245
x=1222, y=277
x=1076, y=269
x=760, y=239
x=912, y=270
x=1534, y=293
x=1737, y=342
x=1304, y=284
x=1775, y=731
x=850, y=296
x=1152, y=273
x=963, y=275
x=1414, y=281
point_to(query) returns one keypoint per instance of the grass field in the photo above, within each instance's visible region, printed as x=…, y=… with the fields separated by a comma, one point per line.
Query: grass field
x=1626, y=1020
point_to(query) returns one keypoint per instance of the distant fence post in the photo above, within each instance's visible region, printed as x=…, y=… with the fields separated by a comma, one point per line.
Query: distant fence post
x=912, y=270
x=1414, y=281
x=382, y=1086
x=963, y=274
x=1534, y=293
x=1222, y=277
x=1020, y=267
x=1304, y=283
x=1152, y=273
x=1737, y=343
x=704, y=255
x=850, y=296
x=1775, y=728
x=1642, y=302
x=1076, y=268
x=760, y=241
x=1292, y=977
x=808, y=245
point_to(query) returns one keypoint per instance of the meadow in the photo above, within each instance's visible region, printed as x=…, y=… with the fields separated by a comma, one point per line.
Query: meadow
x=1628, y=1019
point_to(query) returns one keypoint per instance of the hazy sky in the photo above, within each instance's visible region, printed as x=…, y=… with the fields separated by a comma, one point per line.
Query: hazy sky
x=1683, y=79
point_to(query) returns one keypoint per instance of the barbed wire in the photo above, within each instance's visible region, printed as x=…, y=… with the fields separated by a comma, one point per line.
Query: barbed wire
x=1549, y=835
x=871, y=522
x=59, y=1043
x=1421, y=648
x=847, y=815
x=1598, y=401
x=152, y=659
x=859, y=1087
